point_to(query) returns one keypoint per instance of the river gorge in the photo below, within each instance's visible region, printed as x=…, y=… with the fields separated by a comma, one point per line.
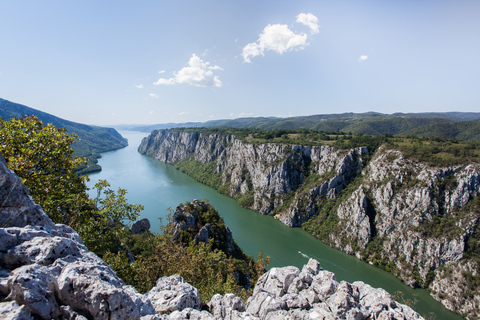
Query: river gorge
x=159, y=186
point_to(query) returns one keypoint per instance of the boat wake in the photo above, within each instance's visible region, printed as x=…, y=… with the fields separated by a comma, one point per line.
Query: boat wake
x=304, y=255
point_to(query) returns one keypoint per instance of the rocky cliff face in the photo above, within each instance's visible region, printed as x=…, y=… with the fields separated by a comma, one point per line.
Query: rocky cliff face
x=412, y=219
x=267, y=173
x=47, y=273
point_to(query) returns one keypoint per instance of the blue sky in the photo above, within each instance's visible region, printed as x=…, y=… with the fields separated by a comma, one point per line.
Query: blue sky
x=119, y=62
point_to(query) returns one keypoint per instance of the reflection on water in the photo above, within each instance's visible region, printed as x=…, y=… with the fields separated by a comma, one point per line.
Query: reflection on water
x=158, y=187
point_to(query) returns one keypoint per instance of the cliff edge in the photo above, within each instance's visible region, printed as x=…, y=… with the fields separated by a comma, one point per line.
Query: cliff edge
x=47, y=273
x=416, y=219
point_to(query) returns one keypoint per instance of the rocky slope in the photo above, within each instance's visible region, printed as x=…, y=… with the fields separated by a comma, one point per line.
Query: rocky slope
x=47, y=273
x=418, y=221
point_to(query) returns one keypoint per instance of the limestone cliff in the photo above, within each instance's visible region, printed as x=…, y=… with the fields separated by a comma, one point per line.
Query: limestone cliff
x=419, y=221
x=265, y=173
x=47, y=273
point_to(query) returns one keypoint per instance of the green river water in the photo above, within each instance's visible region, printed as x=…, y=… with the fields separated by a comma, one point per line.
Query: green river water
x=158, y=186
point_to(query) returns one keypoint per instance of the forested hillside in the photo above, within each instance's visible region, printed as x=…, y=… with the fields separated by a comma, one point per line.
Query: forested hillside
x=452, y=125
x=92, y=140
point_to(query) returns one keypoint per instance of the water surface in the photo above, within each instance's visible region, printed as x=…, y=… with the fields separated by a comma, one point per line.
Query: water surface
x=158, y=187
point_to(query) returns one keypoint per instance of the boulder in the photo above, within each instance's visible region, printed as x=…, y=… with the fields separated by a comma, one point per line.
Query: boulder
x=140, y=226
x=172, y=294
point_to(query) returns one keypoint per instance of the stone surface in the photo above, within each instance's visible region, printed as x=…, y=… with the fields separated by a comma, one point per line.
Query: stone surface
x=394, y=197
x=172, y=294
x=47, y=273
x=140, y=226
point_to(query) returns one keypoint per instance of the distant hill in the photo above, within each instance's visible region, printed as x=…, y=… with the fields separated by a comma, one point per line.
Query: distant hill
x=454, y=125
x=464, y=130
x=92, y=139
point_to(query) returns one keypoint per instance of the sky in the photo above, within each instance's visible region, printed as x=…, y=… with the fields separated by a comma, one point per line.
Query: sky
x=150, y=61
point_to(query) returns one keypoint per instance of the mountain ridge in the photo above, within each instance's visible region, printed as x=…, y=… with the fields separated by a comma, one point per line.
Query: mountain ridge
x=92, y=140
x=366, y=123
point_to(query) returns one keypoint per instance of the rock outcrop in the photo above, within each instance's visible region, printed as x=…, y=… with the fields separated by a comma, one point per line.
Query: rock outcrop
x=47, y=273
x=411, y=218
x=140, y=226
x=267, y=173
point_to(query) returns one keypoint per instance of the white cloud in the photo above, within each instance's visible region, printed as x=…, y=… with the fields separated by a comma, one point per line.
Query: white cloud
x=362, y=58
x=280, y=38
x=198, y=73
x=161, y=71
x=275, y=37
x=139, y=86
x=310, y=21
x=153, y=95
x=184, y=113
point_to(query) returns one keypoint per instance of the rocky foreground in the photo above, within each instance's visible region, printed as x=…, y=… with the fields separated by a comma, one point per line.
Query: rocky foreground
x=47, y=273
x=419, y=221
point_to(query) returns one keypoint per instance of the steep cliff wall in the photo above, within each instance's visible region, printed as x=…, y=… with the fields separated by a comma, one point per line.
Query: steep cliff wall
x=418, y=221
x=265, y=174
x=47, y=273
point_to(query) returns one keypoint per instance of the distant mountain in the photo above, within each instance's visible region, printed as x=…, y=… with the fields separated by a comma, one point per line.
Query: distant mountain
x=464, y=130
x=151, y=127
x=92, y=139
x=455, y=125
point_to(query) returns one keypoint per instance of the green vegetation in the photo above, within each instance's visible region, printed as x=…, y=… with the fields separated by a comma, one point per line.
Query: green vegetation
x=436, y=151
x=326, y=221
x=43, y=158
x=204, y=173
x=450, y=125
x=433, y=151
x=211, y=268
x=92, y=140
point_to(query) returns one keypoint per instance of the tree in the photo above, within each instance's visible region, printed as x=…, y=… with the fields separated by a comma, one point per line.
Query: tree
x=107, y=223
x=41, y=155
x=43, y=158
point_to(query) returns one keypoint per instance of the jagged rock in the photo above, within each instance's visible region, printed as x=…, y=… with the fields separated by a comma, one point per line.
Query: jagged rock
x=270, y=171
x=47, y=273
x=90, y=286
x=319, y=296
x=140, y=226
x=67, y=313
x=226, y=307
x=12, y=311
x=192, y=314
x=204, y=233
x=34, y=286
x=396, y=197
x=173, y=293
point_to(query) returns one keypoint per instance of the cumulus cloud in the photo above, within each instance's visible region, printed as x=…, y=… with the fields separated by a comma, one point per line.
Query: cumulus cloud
x=275, y=37
x=153, y=95
x=362, y=58
x=310, y=21
x=198, y=73
x=139, y=86
x=280, y=38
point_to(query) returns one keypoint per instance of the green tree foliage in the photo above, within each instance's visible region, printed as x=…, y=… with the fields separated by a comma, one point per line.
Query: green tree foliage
x=107, y=221
x=212, y=268
x=42, y=157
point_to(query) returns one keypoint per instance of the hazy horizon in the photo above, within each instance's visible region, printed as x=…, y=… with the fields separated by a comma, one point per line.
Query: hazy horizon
x=114, y=63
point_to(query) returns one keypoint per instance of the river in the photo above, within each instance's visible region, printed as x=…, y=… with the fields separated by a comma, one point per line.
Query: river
x=158, y=187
